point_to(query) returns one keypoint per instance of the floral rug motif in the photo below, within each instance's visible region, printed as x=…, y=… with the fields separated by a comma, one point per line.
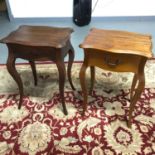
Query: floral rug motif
x=41, y=128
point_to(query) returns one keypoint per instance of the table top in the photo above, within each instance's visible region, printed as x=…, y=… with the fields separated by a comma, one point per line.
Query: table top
x=118, y=42
x=39, y=36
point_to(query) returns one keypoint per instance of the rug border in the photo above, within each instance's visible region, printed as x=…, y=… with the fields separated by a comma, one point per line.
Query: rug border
x=42, y=62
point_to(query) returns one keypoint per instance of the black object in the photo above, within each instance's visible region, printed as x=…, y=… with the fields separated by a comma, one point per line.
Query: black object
x=82, y=12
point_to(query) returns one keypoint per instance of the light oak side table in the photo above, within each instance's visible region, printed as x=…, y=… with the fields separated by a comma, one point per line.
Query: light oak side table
x=117, y=51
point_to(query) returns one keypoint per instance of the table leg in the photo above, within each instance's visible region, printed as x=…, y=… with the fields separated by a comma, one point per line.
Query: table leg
x=134, y=82
x=92, y=74
x=62, y=75
x=71, y=59
x=33, y=67
x=83, y=86
x=13, y=72
x=139, y=89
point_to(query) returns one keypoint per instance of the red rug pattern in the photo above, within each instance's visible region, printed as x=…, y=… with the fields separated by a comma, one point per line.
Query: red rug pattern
x=41, y=128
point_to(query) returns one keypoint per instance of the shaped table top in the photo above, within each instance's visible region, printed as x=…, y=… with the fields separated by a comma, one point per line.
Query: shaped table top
x=39, y=36
x=118, y=42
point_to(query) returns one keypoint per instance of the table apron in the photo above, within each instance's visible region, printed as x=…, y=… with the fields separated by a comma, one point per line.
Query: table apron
x=114, y=62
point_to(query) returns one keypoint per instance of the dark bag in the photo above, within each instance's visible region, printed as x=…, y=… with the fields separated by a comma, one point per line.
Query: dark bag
x=82, y=12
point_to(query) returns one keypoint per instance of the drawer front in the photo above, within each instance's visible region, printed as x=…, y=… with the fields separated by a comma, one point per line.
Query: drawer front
x=113, y=61
x=33, y=52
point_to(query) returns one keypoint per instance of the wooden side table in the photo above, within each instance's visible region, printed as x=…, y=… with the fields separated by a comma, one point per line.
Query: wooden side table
x=117, y=51
x=35, y=43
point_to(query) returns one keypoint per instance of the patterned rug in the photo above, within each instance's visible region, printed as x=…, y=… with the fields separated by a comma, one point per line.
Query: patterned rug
x=41, y=128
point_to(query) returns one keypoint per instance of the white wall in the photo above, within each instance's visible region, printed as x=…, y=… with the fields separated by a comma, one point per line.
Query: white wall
x=125, y=8
x=41, y=8
x=64, y=8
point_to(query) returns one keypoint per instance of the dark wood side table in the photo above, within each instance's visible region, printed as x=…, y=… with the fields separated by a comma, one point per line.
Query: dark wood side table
x=117, y=51
x=35, y=43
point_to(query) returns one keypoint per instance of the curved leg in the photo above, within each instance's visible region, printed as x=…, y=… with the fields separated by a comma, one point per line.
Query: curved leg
x=138, y=91
x=83, y=86
x=71, y=59
x=92, y=72
x=13, y=72
x=134, y=82
x=62, y=75
x=33, y=67
x=135, y=98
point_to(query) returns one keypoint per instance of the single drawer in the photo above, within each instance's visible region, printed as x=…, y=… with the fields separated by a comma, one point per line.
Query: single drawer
x=113, y=61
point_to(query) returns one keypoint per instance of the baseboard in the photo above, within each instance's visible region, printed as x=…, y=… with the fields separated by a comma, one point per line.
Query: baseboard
x=66, y=19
